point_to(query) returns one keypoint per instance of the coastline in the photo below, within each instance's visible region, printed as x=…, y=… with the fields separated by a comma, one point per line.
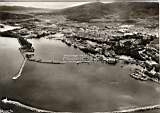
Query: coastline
x=34, y=109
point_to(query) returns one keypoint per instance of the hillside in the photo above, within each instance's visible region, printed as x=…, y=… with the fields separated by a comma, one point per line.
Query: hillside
x=86, y=12
x=7, y=15
x=22, y=10
x=124, y=10
x=18, y=12
x=14, y=8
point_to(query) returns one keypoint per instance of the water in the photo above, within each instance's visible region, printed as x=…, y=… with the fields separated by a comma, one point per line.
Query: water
x=70, y=87
x=50, y=49
x=10, y=57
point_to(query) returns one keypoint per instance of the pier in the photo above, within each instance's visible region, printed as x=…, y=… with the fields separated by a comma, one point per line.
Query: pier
x=20, y=70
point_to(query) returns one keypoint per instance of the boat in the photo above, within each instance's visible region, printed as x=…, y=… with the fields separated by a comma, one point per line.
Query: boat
x=139, y=76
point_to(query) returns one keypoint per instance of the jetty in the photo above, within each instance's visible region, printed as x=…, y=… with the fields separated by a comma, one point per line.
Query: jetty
x=20, y=70
x=25, y=49
x=138, y=109
x=129, y=110
x=18, y=104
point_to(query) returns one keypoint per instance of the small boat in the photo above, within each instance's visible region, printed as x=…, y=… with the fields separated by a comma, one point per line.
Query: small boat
x=139, y=76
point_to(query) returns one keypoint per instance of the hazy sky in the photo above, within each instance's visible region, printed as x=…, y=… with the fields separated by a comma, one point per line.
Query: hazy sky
x=54, y=5
x=73, y=0
x=51, y=5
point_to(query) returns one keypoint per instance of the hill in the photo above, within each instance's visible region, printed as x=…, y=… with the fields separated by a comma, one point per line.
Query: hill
x=124, y=10
x=22, y=10
x=94, y=10
x=19, y=12
x=8, y=15
x=15, y=8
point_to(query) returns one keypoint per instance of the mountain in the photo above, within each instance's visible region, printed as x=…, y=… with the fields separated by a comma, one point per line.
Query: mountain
x=16, y=8
x=19, y=12
x=124, y=10
x=8, y=15
x=21, y=9
x=94, y=10
x=86, y=11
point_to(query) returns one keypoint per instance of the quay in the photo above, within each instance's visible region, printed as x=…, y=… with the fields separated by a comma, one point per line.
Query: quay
x=57, y=62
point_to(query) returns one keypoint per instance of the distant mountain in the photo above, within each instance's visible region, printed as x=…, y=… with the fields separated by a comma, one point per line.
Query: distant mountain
x=8, y=15
x=124, y=10
x=22, y=10
x=15, y=8
x=86, y=11
x=94, y=10
x=19, y=12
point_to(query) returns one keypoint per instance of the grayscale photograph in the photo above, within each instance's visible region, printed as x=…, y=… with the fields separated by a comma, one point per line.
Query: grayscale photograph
x=79, y=56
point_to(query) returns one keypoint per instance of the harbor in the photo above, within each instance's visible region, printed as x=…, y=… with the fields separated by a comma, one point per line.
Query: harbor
x=73, y=60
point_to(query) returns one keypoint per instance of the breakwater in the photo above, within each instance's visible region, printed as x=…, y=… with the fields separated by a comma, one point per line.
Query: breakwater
x=18, y=104
x=25, y=47
x=33, y=109
x=20, y=70
x=139, y=109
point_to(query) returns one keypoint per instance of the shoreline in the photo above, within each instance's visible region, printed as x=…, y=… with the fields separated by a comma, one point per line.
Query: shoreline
x=34, y=109
x=56, y=62
x=18, y=104
x=106, y=60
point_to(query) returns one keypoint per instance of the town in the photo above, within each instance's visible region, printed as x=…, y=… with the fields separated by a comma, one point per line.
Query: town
x=108, y=44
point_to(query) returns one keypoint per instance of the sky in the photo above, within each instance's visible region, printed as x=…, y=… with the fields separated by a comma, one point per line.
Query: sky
x=55, y=4
x=71, y=0
x=50, y=5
